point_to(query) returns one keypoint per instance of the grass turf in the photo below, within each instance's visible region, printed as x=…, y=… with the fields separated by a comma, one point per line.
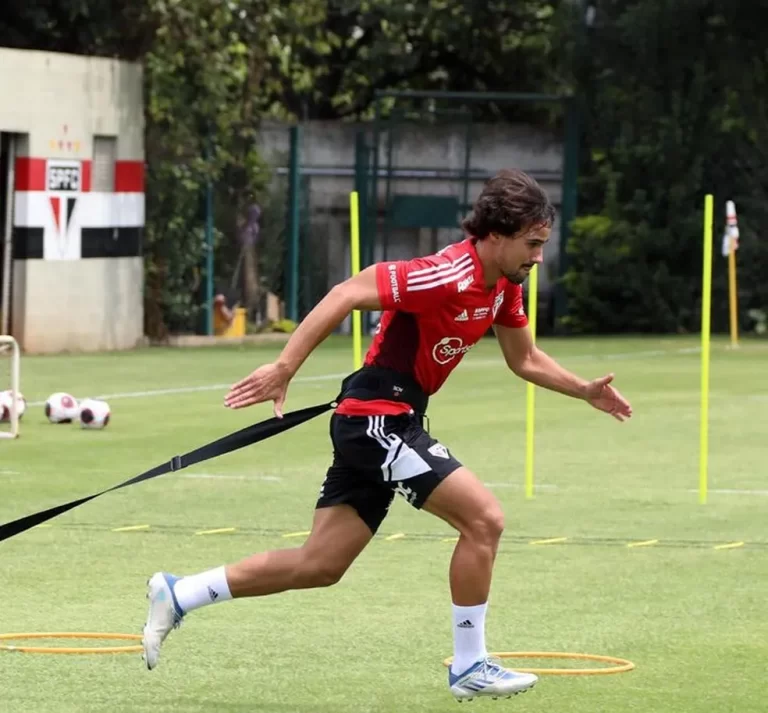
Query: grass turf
x=688, y=614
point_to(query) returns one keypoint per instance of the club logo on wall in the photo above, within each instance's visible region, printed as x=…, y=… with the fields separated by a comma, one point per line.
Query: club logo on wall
x=64, y=183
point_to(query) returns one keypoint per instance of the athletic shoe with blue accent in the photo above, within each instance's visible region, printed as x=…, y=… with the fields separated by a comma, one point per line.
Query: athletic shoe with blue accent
x=487, y=678
x=164, y=615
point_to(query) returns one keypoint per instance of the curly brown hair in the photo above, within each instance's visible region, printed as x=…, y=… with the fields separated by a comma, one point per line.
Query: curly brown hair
x=510, y=202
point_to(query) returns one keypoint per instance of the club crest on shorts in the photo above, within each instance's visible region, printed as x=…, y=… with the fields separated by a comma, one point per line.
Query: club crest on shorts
x=439, y=451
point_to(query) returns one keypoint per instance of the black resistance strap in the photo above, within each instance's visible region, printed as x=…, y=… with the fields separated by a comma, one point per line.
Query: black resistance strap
x=232, y=442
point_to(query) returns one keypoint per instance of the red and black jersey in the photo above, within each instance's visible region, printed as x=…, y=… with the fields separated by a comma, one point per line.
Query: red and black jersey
x=435, y=309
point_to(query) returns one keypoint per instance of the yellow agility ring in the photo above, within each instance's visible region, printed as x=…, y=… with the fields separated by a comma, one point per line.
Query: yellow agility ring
x=622, y=665
x=71, y=635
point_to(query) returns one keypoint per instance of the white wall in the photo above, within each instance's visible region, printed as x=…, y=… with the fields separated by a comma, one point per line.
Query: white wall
x=79, y=305
x=45, y=91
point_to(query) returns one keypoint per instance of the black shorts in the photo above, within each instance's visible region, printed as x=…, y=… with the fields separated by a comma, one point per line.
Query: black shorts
x=375, y=457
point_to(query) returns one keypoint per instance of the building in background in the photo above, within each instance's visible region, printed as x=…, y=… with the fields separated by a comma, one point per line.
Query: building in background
x=72, y=201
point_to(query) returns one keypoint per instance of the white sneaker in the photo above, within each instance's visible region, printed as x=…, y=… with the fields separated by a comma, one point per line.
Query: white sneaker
x=164, y=615
x=487, y=678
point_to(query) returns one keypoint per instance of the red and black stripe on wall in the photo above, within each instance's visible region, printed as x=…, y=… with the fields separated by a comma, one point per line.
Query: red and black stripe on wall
x=58, y=216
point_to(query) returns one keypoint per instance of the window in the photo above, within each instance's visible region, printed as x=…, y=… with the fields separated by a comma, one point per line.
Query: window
x=103, y=171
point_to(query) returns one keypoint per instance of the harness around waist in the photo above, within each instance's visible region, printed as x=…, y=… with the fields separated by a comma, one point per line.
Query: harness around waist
x=372, y=382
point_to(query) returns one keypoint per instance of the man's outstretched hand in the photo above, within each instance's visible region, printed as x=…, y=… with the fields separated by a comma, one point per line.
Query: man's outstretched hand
x=600, y=394
x=267, y=383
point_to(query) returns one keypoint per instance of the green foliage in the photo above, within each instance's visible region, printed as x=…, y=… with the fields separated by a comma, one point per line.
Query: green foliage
x=672, y=111
x=421, y=44
x=202, y=123
x=620, y=274
x=119, y=28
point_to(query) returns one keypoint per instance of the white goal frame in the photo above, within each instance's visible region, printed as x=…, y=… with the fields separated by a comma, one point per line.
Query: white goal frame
x=15, y=375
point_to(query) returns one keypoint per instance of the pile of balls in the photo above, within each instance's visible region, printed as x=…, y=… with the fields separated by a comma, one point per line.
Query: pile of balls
x=60, y=408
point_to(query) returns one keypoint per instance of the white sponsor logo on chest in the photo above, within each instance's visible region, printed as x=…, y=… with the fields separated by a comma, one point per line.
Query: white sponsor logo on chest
x=448, y=348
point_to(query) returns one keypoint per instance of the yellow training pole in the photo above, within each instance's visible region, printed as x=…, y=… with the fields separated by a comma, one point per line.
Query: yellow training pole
x=706, y=306
x=357, y=337
x=732, y=295
x=533, y=287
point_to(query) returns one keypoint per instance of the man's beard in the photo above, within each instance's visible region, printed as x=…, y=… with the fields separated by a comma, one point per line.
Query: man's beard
x=519, y=277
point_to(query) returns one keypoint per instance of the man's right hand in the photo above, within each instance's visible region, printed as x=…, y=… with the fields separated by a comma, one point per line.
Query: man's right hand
x=270, y=382
x=267, y=383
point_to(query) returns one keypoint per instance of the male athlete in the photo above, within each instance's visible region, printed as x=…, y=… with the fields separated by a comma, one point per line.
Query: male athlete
x=435, y=309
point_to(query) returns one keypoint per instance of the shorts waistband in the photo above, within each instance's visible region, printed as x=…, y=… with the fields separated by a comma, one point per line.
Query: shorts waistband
x=373, y=382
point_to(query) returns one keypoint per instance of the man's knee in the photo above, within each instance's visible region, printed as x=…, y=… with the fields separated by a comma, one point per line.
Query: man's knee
x=338, y=536
x=486, y=526
x=464, y=502
x=323, y=571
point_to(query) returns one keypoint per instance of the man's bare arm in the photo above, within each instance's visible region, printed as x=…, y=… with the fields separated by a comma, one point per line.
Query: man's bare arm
x=529, y=362
x=358, y=292
x=270, y=381
x=526, y=360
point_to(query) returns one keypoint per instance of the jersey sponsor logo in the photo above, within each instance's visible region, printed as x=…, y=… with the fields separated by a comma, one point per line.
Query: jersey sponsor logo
x=448, y=348
x=393, y=282
x=439, y=451
x=481, y=313
x=463, y=317
x=464, y=284
x=497, y=303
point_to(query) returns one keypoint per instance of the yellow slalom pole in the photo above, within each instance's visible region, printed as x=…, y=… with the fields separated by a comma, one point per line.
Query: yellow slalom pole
x=357, y=337
x=732, y=295
x=533, y=288
x=706, y=307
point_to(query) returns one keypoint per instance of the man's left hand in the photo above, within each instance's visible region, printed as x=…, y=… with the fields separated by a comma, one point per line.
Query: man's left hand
x=600, y=394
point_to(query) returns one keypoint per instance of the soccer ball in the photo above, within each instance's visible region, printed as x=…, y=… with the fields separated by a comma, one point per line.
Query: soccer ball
x=61, y=408
x=93, y=413
x=6, y=401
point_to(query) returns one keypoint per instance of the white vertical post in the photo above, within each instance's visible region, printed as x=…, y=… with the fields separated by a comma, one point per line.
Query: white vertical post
x=5, y=298
x=15, y=371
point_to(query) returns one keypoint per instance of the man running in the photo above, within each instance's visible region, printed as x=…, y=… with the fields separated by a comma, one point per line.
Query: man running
x=435, y=309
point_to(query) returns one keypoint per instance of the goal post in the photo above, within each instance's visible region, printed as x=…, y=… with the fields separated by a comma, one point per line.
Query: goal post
x=10, y=372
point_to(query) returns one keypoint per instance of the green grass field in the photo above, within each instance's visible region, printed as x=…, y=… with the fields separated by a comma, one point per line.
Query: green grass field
x=689, y=614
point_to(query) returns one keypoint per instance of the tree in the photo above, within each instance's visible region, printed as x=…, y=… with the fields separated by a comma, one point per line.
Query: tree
x=119, y=28
x=678, y=106
x=338, y=52
x=203, y=108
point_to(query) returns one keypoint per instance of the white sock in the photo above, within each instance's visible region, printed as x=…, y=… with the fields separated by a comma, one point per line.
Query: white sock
x=468, y=636
x=198, y=590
